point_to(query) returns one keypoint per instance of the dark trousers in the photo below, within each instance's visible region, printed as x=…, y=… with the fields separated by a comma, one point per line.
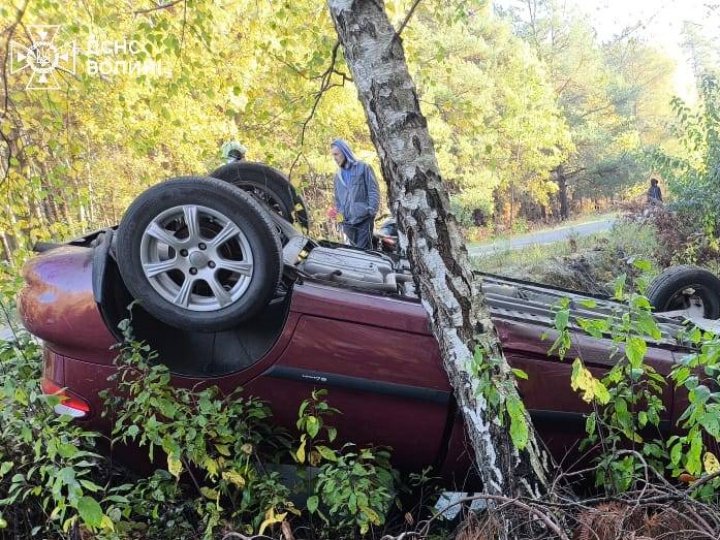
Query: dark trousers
x=360, y=234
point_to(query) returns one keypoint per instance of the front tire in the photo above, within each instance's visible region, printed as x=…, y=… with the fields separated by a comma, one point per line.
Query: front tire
x=199, y=253
x=268, y=185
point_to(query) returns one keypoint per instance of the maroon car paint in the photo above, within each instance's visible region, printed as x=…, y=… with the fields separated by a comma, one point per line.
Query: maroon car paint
x=375, y=353
x=57, y=303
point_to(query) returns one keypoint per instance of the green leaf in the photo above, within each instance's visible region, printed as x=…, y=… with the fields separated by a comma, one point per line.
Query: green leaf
x=520, y=374
x=519, y=431
x=694, y=455
x=648, y=325
x=590, y=424
x=635, y=350
x=67, y=451
x=209, y=493
x=618, y=286
x=90, y=512
x=313, y=426
x=711, y=423
x=326, y=453
x=643, y=265
x=561, y=319
x=312, y=503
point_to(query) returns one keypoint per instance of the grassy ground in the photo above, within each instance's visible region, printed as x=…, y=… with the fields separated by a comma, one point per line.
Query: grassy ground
x=585, y=263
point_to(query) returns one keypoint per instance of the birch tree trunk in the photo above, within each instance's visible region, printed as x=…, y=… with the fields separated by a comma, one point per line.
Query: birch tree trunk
x=483, y=383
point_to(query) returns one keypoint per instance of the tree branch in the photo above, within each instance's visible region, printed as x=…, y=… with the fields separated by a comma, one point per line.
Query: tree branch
x=407, y=17
x=325, y=85
x=157, y=7
x=6, y=97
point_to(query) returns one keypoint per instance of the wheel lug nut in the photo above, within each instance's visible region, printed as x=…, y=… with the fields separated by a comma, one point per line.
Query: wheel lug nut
x=211, y=264
x=193, y=271
x=184, y=252
x=202, y=246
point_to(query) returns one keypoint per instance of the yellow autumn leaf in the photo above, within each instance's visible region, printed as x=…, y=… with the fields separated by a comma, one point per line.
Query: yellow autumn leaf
x=271, y=518
x=174, y=466
x=582, y=379
x=235, y=478
x=300, y=454
x=711, y=463
x=211, y=466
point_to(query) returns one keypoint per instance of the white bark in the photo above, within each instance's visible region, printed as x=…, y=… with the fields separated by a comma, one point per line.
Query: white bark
x=428, y=230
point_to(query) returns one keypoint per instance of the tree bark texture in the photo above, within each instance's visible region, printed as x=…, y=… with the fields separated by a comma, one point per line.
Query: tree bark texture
x=562, y=193
x=430, y=235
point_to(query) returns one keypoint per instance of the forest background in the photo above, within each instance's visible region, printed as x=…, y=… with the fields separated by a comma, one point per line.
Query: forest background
x=534, y=116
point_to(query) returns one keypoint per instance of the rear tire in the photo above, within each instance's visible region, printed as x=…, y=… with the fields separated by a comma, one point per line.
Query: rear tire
x=199, y=253
x=679, y=286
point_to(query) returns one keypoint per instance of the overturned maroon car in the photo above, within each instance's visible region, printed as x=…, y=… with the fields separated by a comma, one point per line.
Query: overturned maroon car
x=230, y=291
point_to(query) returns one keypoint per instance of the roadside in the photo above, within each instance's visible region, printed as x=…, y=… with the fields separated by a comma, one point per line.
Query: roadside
x=581, y=262
x=576, y=229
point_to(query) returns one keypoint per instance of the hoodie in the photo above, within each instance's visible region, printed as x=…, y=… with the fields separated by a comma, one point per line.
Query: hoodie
x=357, y=196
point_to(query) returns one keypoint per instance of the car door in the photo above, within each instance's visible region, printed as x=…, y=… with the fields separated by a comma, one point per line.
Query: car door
x=380, y=365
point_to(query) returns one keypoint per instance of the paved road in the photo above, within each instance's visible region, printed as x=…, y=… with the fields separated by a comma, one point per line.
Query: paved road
x=5, y=333
x=542, y=237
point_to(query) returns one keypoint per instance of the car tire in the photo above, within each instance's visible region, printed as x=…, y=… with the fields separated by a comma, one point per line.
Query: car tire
x=269, y=186
x=678, y=286
x=199, y=253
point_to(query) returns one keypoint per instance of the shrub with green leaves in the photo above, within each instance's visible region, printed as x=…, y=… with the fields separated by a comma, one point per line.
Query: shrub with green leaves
x=215, y=457
x=699, y=374
x=216, y=444
x=52, y=480
x=353, y=488
x=694, y=173
x=627, y=401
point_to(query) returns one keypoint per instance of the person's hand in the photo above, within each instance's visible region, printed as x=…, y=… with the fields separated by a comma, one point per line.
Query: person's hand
x=332, y=213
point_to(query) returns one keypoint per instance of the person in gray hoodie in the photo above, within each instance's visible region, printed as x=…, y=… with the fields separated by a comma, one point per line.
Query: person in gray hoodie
x=357, y=196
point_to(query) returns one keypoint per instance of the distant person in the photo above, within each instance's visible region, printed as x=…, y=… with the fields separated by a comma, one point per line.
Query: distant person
x=654, y=195
x=357, y=196
x=233, y=151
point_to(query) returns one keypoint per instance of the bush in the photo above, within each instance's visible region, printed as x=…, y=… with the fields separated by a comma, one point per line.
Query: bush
x=214, y=455
x=694, y=175
x=627, y=401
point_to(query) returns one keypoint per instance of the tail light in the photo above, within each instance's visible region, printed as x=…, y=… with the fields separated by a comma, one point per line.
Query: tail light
x=70, y=404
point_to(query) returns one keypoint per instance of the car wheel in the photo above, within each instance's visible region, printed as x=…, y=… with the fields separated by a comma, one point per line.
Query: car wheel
x=199, y=253
x=687, y=288
x=269, y=186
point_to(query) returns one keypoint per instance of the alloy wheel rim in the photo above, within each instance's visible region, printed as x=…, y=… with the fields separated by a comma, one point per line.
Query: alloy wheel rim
x=196, y=258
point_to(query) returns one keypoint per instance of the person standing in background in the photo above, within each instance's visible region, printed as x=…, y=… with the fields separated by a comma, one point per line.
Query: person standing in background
x=357, y=197
x=654, y=195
